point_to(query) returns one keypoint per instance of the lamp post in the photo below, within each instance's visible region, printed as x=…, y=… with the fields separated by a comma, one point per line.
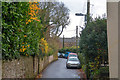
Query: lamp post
x=77, y=39
x=85, y=19
x=80, y=14
x=86, y=58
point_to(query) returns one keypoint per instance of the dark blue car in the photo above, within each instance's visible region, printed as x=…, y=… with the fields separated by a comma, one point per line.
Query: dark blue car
x=66, y=54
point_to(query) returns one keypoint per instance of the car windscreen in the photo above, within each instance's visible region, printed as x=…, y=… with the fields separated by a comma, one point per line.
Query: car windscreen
x=73, y=59
x=72, y=55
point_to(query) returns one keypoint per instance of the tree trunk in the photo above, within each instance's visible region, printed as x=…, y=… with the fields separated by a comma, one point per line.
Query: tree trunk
x=61, y=31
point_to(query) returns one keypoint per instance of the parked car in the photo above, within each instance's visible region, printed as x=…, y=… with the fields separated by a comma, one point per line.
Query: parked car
x=66, y=54
x=72, y=55
x=73, y=62
x=61, y=55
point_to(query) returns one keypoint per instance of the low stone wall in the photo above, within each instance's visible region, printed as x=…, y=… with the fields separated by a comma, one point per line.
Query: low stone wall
x=25, y=67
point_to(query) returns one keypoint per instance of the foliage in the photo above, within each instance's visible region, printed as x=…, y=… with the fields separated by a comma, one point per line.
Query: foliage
x=51, y=51
x=93, y=40
x=70, y=49
x=83, y=67
x=53, y=45
x=104, y=69
x=93, y=43
x=44, y=46
x=82, y=58
x=24, y=25
x=21, y=29
x=13, y=21
x=102, y=72
x=62, y=50
x=33, y=11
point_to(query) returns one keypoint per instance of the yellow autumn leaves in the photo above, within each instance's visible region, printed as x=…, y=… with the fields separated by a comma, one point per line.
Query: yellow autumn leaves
x=32, y=15
x=33, y=11
x=24, y=47
x=25, y=35
x=95, y=65
x=44, y=46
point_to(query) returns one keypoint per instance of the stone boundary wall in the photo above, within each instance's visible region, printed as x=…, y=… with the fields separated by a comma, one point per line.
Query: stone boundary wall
x=25, y=67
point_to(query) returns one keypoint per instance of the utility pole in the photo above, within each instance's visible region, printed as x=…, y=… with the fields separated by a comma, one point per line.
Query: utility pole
x=88, y=11
x=76, y=37
x=63, y=41
x=87, y=20
x=87, y=58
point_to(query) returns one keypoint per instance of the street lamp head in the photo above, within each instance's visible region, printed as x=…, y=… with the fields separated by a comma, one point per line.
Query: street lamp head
x=79, y=14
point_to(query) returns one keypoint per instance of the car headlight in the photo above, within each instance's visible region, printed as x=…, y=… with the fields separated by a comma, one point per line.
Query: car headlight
x=69, y=64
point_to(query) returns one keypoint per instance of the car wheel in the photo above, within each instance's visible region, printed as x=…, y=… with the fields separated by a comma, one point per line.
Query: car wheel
x=79, y=67
x=67, y=67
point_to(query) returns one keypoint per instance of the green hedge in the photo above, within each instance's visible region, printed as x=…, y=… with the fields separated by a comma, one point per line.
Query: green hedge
x=16, y=34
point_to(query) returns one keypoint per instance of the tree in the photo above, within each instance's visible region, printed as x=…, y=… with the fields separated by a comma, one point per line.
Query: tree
x=94, y=38
x=54, y=15
x=93, y=41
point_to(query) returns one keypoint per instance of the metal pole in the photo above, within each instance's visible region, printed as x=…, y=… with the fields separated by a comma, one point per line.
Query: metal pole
x=63, y=41
x=88, y=11
x=76, y=39
x=88, y=18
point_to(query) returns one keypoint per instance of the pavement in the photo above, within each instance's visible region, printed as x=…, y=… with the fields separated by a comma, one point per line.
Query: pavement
x=58, y=69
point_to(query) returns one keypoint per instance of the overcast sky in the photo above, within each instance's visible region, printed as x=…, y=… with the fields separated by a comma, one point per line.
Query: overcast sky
x=97, y=8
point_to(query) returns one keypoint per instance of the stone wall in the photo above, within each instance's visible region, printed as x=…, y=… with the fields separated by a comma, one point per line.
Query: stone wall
x=25, y=67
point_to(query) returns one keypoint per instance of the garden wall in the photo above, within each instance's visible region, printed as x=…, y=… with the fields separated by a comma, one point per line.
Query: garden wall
x=25, y=67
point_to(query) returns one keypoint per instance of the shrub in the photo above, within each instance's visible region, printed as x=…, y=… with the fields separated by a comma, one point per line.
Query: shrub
x=13, y=22
x=82, y=58
x=53, y=45
x=21, y=29
x=43, y=46
x=69, y=49
x=93, y=44
x=104, y=72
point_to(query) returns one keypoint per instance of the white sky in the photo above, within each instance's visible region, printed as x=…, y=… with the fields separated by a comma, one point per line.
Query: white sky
x=97, y=8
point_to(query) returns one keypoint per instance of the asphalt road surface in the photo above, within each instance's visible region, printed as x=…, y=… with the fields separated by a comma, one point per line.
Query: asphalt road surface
x=58, y=69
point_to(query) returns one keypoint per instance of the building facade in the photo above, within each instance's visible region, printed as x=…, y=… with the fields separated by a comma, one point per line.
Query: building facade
x=69, y=42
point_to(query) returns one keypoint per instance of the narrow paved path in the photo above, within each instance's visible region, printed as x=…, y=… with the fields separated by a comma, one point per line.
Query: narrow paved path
x=58, y=69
